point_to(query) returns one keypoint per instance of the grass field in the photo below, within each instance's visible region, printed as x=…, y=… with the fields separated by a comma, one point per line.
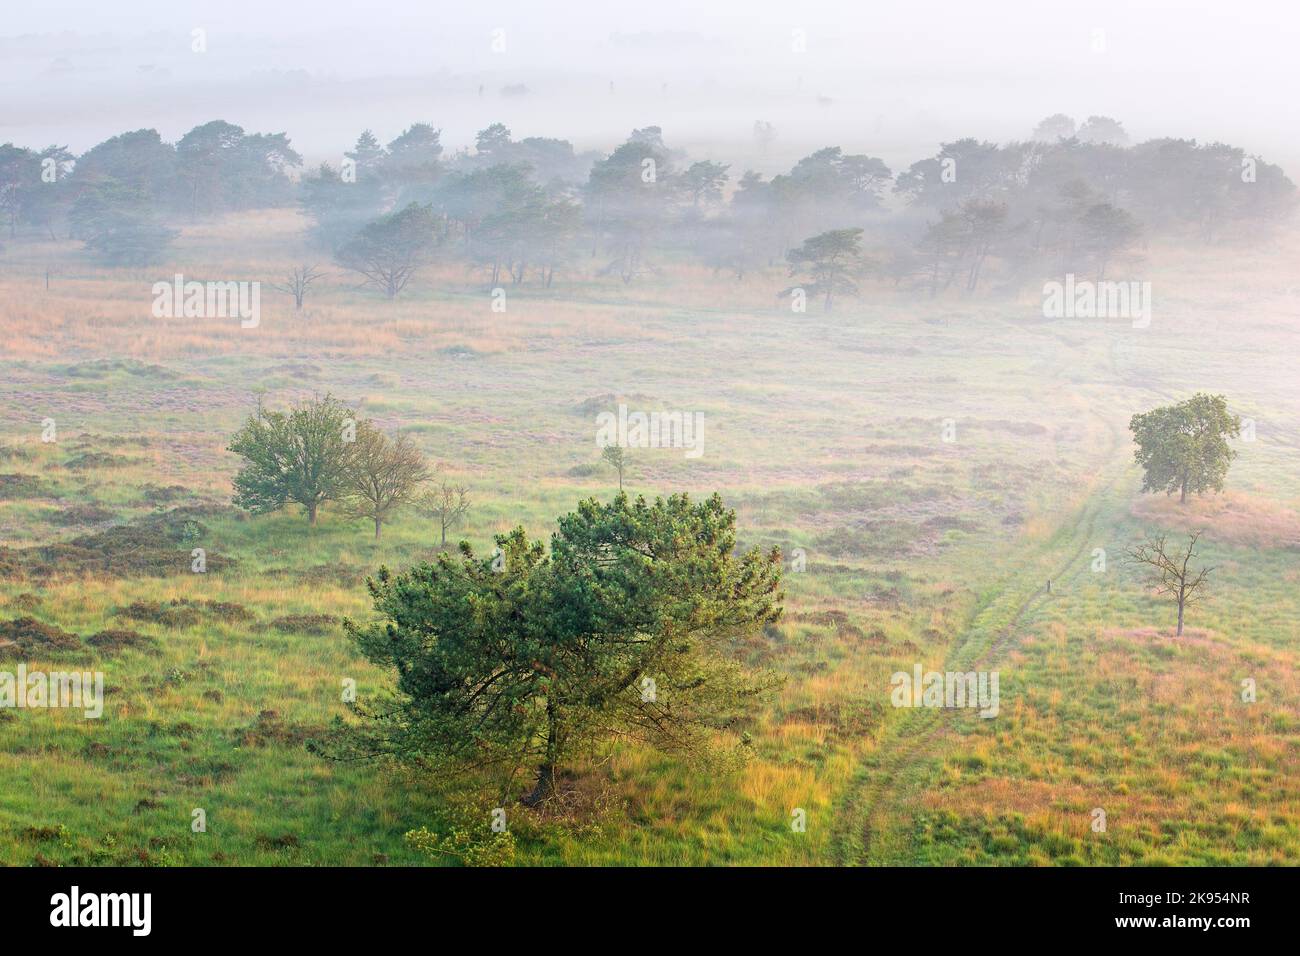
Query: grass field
x=825, y=432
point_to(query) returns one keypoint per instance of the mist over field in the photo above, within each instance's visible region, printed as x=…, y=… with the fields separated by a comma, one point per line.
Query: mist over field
x=695, y=434
x=887, y=76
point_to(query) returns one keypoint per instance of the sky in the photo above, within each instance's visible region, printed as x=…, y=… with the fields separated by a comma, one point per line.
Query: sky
x=888, y=78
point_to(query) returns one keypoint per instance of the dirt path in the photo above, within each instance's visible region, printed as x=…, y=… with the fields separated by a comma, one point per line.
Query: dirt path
x=899, y=764
x=898, y=769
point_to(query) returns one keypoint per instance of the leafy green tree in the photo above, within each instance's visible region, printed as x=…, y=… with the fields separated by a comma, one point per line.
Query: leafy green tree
x=829, y=261
x=304, y=455
x=622, y=630
x=385, y=474
x=1184, y=447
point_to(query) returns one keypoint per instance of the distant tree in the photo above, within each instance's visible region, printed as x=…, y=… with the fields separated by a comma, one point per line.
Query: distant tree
x=493, y=143
x=413, y=158
x=1104, y=232
x=46, y=208
x=139, y=161
x=447, y=504
x=839, y=182
x=829, y=261
x=19, y=172
x=1213, y=188
x=304, y=456
x=553, y=161
x=367, y=154
x=984, y=223
x=390, y=251
x=298, y=282
x=616, y=457
x=1184, y=447
x=553, y=236
x=703, y=182
x=118, y=226
x=629, y=200
x=224, y=168
x=32, y=186
x=728, y=243
x=1058, y=126
x=865, y=176
x=622, y=631
x=963, y=169
x=384, y=474
x=489, y=200
x=1172, y=573
x=513, y=211
x=764, y=134
x=941, y=250
x=340, y=209
x=1103, y=130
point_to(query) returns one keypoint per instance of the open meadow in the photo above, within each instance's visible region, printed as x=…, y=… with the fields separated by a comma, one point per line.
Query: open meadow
x=925, y=465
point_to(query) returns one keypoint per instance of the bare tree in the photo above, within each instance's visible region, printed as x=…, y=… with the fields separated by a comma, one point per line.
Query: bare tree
x=385, y=474
x=297, y=282
x=1171, y=571
x=448, y=503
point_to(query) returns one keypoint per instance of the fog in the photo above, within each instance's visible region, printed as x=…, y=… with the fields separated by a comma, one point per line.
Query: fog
x=891, y=79
x=584, y=434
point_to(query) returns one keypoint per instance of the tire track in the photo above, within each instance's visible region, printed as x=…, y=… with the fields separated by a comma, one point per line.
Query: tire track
x=875, y=789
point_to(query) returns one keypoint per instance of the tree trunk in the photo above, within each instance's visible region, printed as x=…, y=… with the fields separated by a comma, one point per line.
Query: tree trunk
x=311, y=514
x=1182, y=500
x=1180, y=620
x=545, y=785
x=378, y=525
x=543, y=788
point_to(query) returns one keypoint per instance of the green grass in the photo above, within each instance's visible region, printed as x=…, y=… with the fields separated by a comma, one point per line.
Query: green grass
x=824, y=432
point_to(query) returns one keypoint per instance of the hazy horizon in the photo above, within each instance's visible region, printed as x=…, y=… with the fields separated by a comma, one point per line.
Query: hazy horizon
x=887, y=82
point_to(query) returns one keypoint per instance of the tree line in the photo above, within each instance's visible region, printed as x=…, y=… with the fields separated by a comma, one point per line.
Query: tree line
x=1067, y=199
